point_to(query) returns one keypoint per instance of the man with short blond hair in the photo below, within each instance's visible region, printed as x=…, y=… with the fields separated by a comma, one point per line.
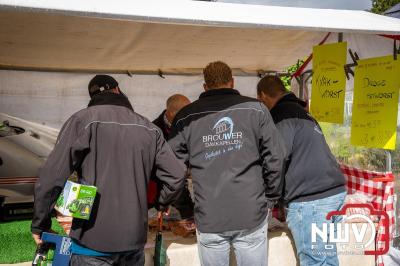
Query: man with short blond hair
x=236, y=158
x=217, y=73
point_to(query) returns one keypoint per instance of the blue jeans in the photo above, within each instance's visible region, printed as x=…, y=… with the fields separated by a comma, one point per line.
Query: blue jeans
x=300, y=216
x=250, y=246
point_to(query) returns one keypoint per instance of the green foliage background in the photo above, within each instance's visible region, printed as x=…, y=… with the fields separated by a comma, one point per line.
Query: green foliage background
x=291, y=70
x=380, y=6
x=338, y=140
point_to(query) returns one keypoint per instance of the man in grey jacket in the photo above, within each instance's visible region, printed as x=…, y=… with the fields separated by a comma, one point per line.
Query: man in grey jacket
x=116, y=150
x=314, y=184
x=236, y=158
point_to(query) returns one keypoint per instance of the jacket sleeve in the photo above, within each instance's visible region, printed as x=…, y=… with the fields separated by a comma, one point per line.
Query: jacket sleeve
x=178, y=143
x=169, y=171
x=273, y=154
x=66, y=155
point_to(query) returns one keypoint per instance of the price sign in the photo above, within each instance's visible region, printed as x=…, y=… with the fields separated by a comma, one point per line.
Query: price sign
x=375, y=103
x=329, y=82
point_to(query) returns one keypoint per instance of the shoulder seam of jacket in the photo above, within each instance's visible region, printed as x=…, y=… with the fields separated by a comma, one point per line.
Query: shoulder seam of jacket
x=232, y=109
x=63, y=132
x=121, y=124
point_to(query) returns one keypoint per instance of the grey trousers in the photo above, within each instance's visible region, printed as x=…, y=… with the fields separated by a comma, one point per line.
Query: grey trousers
x=250, y=246
x=133, y=258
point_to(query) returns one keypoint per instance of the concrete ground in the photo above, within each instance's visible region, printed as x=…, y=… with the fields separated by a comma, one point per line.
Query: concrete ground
x=18, y=264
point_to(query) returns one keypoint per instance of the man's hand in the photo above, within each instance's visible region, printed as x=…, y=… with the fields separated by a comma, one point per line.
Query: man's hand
x=161, y=208
x=160, y=213
x=37, y=238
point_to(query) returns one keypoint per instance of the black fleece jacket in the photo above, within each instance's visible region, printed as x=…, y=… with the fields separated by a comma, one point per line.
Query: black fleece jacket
x=236, y=158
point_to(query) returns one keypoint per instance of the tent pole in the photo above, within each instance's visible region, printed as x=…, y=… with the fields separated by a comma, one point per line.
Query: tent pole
x=388, y=161
x=302, y=80
x=301, y=86
x=340, y=37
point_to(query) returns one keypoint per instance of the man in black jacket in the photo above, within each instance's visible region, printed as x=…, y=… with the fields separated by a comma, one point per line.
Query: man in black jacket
x=236, y=159
x=98, y=143
x=314, y=184
x=175, y=103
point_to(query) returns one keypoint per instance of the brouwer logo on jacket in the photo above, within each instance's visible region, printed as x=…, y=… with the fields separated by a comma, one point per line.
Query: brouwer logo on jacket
x=223, y=138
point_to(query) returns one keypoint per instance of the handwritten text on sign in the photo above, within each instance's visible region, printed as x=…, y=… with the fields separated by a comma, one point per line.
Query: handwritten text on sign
x=375, y=104
x=329, y=82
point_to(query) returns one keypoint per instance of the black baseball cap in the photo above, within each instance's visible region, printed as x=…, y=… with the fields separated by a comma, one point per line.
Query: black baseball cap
x=101, y=81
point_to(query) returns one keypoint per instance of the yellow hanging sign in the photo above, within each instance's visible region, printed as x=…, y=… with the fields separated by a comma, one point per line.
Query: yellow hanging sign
x=329, y=82
x=375, y=103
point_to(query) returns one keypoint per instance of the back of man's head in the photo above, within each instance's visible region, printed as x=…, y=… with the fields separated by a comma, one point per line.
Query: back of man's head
x=217, y=75
x=271, y=86
x=101, y=83
x=174, y=104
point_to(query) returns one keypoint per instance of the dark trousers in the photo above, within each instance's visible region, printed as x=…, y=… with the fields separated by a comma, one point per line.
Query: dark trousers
x=132, y=258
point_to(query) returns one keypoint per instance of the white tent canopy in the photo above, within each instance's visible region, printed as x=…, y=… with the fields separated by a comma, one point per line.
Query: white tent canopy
x=24, y=93
x=176, y=37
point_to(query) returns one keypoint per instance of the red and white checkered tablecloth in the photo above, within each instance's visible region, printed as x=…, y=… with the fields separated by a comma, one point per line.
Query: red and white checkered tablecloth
x=377, y=189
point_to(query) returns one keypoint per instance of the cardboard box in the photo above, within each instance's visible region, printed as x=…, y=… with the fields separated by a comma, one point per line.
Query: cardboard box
x=76, y=200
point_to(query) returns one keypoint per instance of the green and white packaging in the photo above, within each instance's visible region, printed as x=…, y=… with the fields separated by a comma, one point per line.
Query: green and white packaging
x=76, y=200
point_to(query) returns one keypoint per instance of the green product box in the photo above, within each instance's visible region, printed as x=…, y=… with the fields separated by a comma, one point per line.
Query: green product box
x=76, y=200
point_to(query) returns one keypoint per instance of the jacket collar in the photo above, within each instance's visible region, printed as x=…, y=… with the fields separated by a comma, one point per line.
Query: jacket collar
x=290, y=97
x=162, y=119
x=214, y=92
x=109, y=98
x=166, y=122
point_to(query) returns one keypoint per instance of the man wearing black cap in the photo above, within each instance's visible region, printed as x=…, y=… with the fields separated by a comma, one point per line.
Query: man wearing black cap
x=97, y=142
